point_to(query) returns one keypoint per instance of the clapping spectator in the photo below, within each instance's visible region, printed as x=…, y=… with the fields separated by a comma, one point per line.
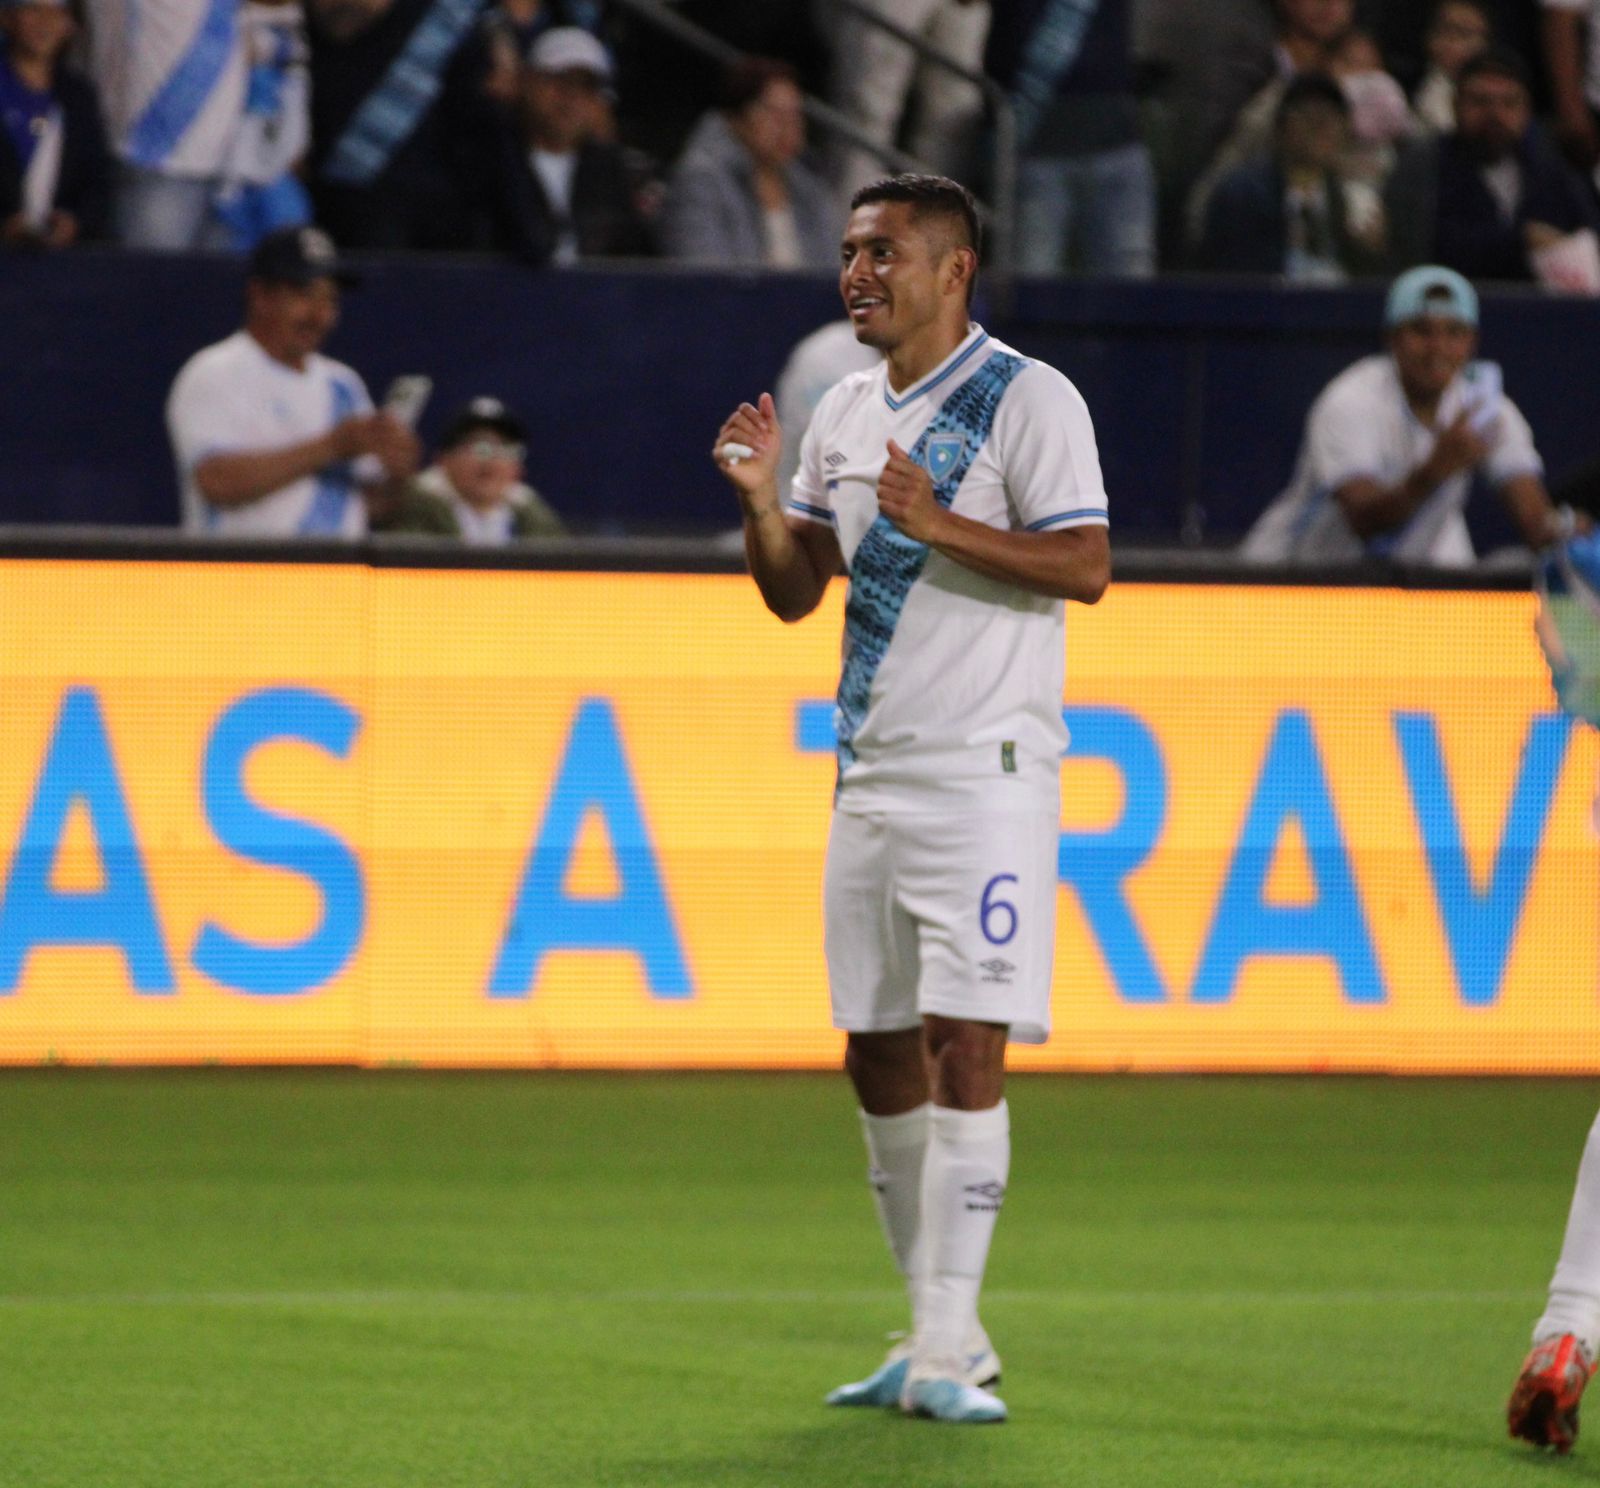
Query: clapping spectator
x=475, y=490
x=1485, y=199
x=563, y=191
x=1393, y=443
x=261, y=191
x=55, y=175
x=741, y=194
x=1295, y=214
x=271, y=438
x=172, y=76
x=1459, y=30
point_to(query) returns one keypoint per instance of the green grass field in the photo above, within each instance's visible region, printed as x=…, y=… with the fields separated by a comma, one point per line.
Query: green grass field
x=273, y=1278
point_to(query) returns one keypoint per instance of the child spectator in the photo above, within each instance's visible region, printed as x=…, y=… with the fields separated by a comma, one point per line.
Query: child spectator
x=1459, y=30
x=54, y=169
x=475, y=489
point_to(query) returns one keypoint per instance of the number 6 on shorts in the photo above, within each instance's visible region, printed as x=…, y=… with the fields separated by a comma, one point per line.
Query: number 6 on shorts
x=996, y=914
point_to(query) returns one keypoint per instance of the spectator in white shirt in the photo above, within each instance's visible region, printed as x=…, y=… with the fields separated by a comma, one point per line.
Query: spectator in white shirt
x=1392, y=444
x=271, y=438
x=172, y=76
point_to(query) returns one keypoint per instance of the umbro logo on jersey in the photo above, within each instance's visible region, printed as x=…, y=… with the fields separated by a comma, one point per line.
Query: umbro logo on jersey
x=999, y=970
x=984, y=1198
x=835, y=460
x=944, y=450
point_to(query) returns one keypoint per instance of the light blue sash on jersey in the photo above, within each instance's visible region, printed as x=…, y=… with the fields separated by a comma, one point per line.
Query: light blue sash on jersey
x=390, y=113
x=336, y=484
x=182, y=98
x=887, y=563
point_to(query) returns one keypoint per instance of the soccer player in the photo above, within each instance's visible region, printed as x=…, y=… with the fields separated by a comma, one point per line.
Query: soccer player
x=1566, y=1340
x=959, y=484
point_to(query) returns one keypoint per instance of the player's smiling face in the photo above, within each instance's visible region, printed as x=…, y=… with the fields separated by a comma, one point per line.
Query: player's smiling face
x=888, y=274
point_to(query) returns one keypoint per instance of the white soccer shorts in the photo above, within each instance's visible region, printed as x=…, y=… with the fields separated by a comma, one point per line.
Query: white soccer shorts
x=952, y=914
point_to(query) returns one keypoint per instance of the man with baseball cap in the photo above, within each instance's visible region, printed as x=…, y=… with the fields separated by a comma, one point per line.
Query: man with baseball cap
x=1393, y=441
x=564, y=191
x=271, y=438
x=475, y=490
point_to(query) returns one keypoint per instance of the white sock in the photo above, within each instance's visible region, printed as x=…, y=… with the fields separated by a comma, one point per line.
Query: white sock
x=963, y=1185
x=895, y=1148
x=1574, y=1305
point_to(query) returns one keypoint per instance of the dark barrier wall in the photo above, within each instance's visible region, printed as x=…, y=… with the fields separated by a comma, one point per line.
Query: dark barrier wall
x=1199, y=390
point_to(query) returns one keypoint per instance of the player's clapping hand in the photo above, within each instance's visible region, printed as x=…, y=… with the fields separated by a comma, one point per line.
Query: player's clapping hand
x=755, y=429
x=905, y=496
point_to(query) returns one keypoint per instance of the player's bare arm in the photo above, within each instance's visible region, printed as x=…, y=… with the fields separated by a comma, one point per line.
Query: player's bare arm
x=791, y=560
x=1074, y=564
x=1373, y=508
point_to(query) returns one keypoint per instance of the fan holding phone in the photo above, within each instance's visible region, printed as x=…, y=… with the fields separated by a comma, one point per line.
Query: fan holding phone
x=274, y=439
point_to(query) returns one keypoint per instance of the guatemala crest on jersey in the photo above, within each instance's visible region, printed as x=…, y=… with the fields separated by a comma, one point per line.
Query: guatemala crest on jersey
x=944, y=450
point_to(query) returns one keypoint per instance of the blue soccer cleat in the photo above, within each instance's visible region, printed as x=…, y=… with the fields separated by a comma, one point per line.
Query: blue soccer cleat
x=941, y=1398
x=887, y=1383
x=882, y=1387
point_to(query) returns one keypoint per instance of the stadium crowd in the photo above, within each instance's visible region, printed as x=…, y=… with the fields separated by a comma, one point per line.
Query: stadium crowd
x=1302, y=141
x=1316, y=140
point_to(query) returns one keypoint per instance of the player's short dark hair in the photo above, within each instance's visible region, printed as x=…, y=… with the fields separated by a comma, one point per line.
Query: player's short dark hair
x=1496, y=61
x=931, y=196
x=1310, y=87
x=746, y=80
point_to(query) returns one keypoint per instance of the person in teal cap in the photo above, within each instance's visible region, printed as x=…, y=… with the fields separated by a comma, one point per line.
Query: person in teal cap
x=1393, y=442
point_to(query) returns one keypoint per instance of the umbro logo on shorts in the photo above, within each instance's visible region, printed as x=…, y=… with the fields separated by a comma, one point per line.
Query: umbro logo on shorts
x=998, y=970
x=835, y=460
x=985, y=1197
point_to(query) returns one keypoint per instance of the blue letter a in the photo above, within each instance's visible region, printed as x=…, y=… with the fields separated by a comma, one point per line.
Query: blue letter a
x=79, y=767
x=1480, y=926
x=1292, y=785
x=593, y=776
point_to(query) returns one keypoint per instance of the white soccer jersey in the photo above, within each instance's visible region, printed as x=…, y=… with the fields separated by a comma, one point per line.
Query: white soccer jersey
x=233, y=397
x=1362, y=426
x=171, y=76
x=950, y=690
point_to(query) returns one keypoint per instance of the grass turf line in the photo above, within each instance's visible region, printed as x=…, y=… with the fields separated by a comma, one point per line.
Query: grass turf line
x=292, y=1278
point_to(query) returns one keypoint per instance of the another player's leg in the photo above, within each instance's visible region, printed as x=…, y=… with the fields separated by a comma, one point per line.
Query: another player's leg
x=963, y=1185
x=1566, y=1339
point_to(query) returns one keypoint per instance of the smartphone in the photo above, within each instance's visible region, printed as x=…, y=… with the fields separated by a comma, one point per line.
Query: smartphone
x=1485, y=389
x=407, y=397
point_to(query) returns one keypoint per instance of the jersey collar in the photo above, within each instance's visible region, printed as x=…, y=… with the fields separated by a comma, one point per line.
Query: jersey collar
x=976, y=337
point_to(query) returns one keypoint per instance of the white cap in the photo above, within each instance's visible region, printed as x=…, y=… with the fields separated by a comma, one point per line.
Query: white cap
x=570, y=49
